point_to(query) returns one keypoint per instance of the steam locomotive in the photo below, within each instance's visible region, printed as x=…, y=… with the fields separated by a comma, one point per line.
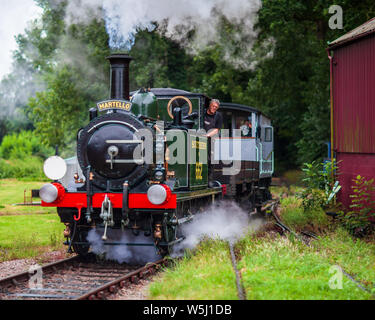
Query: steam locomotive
x=141, y=165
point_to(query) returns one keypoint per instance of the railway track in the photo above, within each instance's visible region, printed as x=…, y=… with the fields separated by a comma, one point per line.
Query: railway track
x=75, y=278
x=260, y=212
x=88, y=279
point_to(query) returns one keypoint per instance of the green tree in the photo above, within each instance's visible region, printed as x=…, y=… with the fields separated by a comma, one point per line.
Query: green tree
x=34, y=57
x=65, y=102
x=159, y=62
x=70, y=60
x=293, y=86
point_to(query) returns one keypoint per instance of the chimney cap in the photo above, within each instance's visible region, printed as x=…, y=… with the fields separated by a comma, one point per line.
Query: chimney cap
x=119, y=56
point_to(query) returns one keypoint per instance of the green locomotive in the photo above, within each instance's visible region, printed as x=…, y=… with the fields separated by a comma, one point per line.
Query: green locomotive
x=142, y=165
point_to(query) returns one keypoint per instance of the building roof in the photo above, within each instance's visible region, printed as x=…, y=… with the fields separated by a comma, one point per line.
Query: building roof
x=359, y=32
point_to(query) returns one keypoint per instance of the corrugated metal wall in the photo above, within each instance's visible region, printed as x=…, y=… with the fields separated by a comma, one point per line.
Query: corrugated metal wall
x=354, y=96
x=354, y=112
x=351, y=165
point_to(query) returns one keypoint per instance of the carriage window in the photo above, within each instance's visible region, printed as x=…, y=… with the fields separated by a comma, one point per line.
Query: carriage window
x=268, y=135
x=227, y=121
x=243, y=122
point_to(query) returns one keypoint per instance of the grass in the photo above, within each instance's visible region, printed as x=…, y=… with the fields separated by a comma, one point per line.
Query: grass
x=26, y=232
x=294, y=177
x=12, y=192
x=275, y=267
x=285, y=269
x=26, y=236
x=272, y=267
x=284, y=191
x=355, y=256
x=292, y=214
x=208, y=274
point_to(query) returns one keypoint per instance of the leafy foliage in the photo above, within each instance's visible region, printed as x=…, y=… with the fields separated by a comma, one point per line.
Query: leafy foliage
x=66, y=102
x=21, y=156
x=34, y=57
x=319, y=179
x=70, y=62
x=293, y=87
x=361, y=220
x=288, y=79
x=22, y=146
x=17, y=168
x=313, y=200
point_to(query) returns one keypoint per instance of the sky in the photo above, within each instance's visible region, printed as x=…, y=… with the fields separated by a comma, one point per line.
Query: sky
x=14, y=17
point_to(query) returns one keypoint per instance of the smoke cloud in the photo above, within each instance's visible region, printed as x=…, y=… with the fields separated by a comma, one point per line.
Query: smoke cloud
x=124, y=18
x=14, y=19
x=224, y=220
x=122, y=253
x=17, y=79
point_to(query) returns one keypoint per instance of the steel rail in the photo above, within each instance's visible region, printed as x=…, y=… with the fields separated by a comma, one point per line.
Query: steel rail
x=57, y=283
x=112, y=286
x=24, y=276
x=240, y=289
x=241, y=292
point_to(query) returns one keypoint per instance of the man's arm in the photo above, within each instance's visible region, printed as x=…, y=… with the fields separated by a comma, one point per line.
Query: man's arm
x=212, y=132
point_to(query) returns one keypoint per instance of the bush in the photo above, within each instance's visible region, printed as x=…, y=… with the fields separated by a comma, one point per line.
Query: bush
x=320, y=183
x=18, y=168
x=361, y=220
x=22, y=146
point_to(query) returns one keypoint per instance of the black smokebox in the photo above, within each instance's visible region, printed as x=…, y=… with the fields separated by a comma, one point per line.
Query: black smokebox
x=119, y=76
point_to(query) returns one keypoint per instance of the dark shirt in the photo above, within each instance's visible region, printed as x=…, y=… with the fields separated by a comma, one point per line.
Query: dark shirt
x=214, y=121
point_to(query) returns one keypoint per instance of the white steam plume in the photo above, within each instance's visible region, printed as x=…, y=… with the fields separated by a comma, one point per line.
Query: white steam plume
x=123, y=253
x=224, y=220
x=177, y=17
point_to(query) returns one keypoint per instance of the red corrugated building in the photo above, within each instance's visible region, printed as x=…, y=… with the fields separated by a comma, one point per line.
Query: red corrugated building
x=352, y=59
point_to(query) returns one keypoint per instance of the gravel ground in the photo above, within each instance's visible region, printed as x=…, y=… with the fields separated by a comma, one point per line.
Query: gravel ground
x=137, y=291
x=9, y=268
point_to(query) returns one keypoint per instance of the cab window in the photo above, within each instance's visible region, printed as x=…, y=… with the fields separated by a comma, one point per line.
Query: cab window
x=268, y=135
x=244, y=123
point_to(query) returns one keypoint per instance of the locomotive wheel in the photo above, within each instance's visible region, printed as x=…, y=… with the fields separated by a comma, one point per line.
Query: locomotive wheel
x=170, y=234
x=80, y=236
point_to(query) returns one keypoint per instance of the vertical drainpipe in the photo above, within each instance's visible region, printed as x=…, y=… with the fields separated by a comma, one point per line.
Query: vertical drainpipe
x=331, y=98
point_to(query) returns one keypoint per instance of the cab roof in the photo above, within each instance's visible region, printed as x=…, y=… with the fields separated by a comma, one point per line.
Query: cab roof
x=241, y=107
x=170, y=92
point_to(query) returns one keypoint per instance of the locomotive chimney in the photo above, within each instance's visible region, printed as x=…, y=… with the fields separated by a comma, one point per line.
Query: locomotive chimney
x=119, y=76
